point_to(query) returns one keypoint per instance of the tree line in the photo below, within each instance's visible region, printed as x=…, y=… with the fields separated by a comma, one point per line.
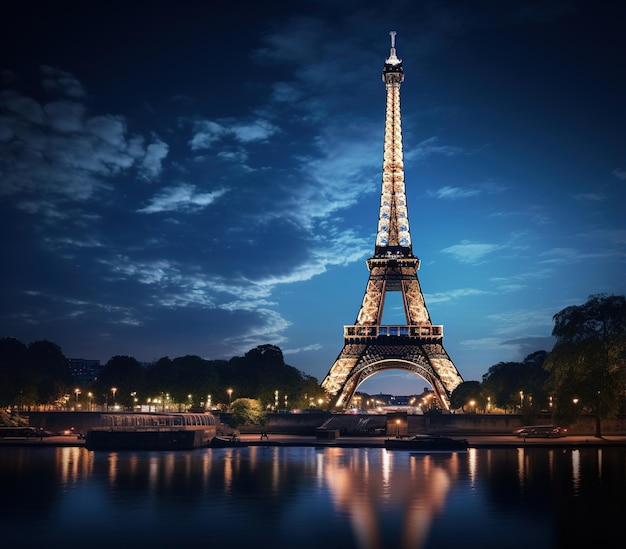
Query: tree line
x=39, y=374
x=585, y=372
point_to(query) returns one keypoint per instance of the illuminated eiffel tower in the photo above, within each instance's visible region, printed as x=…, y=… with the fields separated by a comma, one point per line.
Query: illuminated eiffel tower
x=417, y=346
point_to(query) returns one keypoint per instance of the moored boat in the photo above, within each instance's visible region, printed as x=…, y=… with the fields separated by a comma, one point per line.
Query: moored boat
x=226, y=442
x=178, y=431
x=427, y=443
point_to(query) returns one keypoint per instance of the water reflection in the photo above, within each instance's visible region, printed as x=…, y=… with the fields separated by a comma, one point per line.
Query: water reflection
x=308, y=497
x=365, y=491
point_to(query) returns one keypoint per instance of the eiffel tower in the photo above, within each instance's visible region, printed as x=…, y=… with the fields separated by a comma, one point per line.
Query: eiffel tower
x=417, y=346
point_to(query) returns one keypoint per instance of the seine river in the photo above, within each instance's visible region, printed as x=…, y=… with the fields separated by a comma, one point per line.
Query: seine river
x=305, y=497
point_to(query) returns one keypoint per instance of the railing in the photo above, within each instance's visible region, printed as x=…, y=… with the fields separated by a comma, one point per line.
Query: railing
x=417, y=331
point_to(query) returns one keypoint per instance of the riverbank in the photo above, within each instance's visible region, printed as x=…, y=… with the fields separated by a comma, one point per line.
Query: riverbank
x=474, y=441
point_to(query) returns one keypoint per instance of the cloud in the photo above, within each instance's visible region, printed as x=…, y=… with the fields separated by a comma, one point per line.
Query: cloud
x=620, y=173
x=62, y=82
x=471, y=252
x=453, y=193
x=590, y=197
x=453, y=295
x=429, y=147
x=152, y=162
x=182, y=197
x=208, y=133
x=55, y=152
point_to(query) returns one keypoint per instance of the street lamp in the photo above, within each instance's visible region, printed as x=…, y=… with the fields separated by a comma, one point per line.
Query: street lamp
x=113, y=391
x=397, y=428
x=77, y=392
x=230, y=397
x=90, y=396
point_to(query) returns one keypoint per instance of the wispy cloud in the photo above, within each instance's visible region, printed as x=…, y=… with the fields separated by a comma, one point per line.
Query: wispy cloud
x=472, y=252
x=182, y=197
x=469, y=191
x=453, y=295
x=620, y=173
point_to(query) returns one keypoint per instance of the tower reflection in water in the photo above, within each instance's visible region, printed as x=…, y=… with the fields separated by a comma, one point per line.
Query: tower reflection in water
x=365, y=492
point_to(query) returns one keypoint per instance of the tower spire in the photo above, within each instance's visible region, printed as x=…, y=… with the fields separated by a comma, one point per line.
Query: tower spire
x=369, y=346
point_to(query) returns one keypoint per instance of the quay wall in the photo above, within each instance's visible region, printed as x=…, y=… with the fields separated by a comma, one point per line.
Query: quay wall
x=307, y=424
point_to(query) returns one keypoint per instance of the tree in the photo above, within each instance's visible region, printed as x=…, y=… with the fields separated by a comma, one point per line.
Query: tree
x=247, y=411
x=120, y=377
x=48, y=371
x=587, y=363
x=466, y=392
x=13, y=358
x=518, y=385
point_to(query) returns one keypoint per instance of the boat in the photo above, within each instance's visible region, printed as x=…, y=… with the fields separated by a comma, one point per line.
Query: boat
x=176, y=431
x=226, y=442
x=427, y=443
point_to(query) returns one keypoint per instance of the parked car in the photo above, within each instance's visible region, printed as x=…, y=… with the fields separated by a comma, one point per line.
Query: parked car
x=541, y=431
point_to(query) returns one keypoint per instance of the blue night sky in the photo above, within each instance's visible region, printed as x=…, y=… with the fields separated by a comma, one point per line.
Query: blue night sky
x=201, y=178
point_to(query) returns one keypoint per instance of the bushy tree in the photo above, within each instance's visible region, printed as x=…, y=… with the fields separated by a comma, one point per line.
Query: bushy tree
x=588, y=361
x=466, y=392
x=518, y=385
x=247, y=411
x=120, y=377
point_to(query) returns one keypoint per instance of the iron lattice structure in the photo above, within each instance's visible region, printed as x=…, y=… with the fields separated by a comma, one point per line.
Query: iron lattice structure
x=417, y=346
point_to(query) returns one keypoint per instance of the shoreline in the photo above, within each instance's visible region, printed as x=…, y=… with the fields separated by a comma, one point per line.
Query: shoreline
x=474, y=441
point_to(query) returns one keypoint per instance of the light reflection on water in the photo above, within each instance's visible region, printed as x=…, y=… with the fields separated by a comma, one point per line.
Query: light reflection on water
x=301, y=497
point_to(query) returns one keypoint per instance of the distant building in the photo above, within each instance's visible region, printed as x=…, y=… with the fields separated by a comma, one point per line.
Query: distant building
x=84, y=370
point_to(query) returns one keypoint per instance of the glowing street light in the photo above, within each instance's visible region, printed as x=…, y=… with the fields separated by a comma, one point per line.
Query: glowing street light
x=230, y=397
x=113, y=391
x=397, y=428
x=77, y=392
x=90, y=396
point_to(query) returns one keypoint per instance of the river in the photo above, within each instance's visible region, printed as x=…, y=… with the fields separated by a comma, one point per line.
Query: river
x=306, y=497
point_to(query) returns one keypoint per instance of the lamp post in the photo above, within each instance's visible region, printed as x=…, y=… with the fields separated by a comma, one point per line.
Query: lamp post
x=77, y=392
x=397, y=428
x=90, y=396
x=113, y=391
x=230, y=397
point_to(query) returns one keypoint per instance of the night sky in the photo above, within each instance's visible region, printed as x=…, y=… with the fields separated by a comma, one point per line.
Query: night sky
x=201, y=178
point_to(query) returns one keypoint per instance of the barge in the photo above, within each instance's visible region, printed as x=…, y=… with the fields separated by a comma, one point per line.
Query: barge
x=154, y=431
